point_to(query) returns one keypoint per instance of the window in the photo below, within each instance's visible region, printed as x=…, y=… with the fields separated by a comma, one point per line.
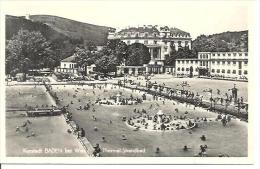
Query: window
x=213, y=54
x=239, y=65
x=245, y=62
x=64, y=65
x=229, y=54
x=187, y=69
x=136, y=41
x=234, y=72
x=213, y=70
x=182, y=61
x=223, y=62
x=146, y=34
x=196, y=69
x=239, y=72
x=129, y=34
x=128, y=42
x=234, y=62
x=179, y=43
x=182, y=69
x=154, y=35
x=191, y=61
x=196, y=62
x=224, y=54
x=201, y=56
x=179, y=69
x=228, y=71
x=223, y=71
x=218, y=62
x=187, y=61
x=178, y=61
x=240, y=54
x=228, y=62
x=137, y=34
x=218, y=54
x=234, y=54
x=246, y=54
x=218, y=70
x=245, y=72
x=155, y=42
x=213, y=62
x=146, y=42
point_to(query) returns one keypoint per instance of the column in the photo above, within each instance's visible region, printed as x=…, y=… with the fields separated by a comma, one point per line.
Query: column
x=159, y=53
x=151, y=53
x=176, y=45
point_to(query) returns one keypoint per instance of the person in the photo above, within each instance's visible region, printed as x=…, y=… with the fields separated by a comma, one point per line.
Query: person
x=185, y=148
x=203, y=138
x=82, y=132
x=96, y=151
x=157, y=150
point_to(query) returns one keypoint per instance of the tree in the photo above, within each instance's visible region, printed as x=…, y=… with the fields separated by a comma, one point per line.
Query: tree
x=28, y=50
x=106, y=64
x=118, y=48
x=181, y=53
x=91, y=46
x=138, y=54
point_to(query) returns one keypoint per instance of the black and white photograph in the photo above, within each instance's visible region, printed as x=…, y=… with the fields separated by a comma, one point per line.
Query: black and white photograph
x=96, y=79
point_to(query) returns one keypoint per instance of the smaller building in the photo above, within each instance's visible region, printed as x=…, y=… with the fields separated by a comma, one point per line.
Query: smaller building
x=227, y=65
x=68, y=65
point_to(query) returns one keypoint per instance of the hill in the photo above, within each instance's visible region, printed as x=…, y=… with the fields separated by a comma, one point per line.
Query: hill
x=74, y=29
x=14, y=24
x=222, y=42
x=64, y=34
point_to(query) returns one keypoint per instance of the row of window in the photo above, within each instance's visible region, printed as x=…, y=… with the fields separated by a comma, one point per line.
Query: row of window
x=217, y=71
x=155, y=42
x=70, y=66
x=146, y=34
x=229, y=54
x=187, y=69
x=213, y=62
x=228, y=62
x=229, y=71
x=187, y=61
x=204, y=56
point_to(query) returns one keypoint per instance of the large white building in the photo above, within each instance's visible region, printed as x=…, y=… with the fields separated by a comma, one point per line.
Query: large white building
x=160, y=41
x=216, y=64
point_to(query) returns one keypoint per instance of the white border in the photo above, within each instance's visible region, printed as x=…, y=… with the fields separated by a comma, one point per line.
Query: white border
x=253, y=126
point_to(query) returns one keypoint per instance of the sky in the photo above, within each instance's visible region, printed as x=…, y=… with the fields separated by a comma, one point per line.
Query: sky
x=196, y=17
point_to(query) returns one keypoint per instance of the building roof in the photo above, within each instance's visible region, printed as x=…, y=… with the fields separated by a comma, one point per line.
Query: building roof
x=149, y=30
x=177, y=32
x=153, y=29
x=70, y=59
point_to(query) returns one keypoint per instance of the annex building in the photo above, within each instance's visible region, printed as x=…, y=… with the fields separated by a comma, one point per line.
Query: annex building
x=160, y=40
x=229, y=65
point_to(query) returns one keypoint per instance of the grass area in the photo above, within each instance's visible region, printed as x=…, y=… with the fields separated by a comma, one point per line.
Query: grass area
x=231, y=140
x=50, y=132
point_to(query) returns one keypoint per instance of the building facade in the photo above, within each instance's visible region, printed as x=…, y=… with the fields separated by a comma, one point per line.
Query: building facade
x=159, y=40
x=232, y=65
x=68, y=65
